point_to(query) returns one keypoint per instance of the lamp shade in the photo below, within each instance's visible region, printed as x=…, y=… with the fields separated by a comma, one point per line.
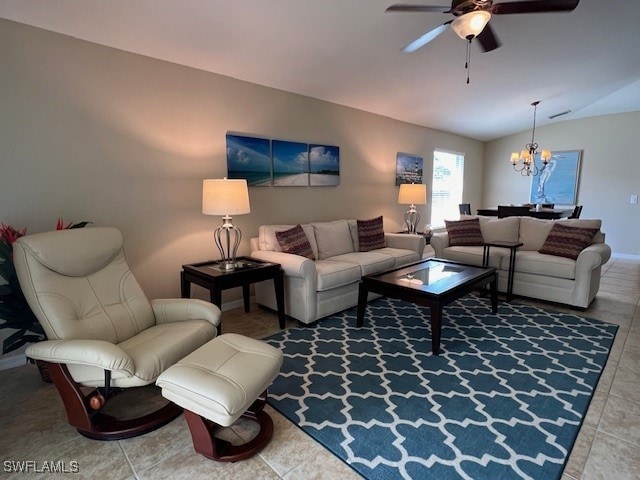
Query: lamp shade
x=471, y=24
x=412, y=194
x=225, y=197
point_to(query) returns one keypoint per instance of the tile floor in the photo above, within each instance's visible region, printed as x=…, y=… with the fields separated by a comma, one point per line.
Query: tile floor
x=34, y=426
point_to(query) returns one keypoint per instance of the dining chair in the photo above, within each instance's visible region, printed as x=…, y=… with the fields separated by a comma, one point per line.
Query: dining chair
x=465, y=208
x=577, y=210
x=512, y=211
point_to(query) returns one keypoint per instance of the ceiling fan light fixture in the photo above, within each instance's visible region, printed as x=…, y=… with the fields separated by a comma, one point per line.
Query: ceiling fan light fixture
x=470, y=24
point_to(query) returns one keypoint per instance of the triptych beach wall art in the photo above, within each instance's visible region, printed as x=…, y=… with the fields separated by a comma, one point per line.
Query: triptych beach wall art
x=281, y=163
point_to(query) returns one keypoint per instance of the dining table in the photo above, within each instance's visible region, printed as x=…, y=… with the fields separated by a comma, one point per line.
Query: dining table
x=545, y=213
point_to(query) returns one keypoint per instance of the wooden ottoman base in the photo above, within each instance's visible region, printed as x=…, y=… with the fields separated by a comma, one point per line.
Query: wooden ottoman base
x=205, y=442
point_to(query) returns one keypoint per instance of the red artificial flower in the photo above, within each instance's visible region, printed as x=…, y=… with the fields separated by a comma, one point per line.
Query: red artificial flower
x=61, y=226
x=8, y=234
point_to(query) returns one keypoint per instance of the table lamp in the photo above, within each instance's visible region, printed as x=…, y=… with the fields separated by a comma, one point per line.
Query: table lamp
x=226, y=197
x=412, y=194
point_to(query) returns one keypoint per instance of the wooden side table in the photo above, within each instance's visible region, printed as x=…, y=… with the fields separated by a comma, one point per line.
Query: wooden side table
x=250, y=270
x=512, y=246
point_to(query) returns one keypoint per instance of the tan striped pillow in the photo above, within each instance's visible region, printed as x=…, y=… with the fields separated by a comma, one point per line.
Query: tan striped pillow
x=295, y=241
x=568, y=242
x=464, y=233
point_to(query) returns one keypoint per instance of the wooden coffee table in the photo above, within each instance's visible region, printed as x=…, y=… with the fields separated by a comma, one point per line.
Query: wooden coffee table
x=432, y=283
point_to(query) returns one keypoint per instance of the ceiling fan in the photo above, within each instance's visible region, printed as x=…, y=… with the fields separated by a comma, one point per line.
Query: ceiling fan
x=472, y=18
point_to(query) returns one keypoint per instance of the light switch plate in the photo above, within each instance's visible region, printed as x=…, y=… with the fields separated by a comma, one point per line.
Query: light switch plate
x=634, y=199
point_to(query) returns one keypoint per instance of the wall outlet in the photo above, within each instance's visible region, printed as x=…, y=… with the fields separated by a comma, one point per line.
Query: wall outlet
x=634, y=199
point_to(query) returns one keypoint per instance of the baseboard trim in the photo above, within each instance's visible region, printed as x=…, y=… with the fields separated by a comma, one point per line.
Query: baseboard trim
x=238, y=303
x=13, y=361
x=626, y=256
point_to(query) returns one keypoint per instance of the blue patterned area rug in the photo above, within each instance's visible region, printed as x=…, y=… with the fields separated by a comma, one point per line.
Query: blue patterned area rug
x=504, y=400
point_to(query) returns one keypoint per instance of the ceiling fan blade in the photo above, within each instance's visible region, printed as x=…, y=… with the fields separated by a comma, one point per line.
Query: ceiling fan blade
x=402, y=7
x=488, y=39
x=534, y=6
x=424, y=39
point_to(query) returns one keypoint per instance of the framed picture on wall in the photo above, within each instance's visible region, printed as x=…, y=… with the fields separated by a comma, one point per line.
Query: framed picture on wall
x=557, y=181
x=408, y=168
x=324, y=165
x=249, y=158
x=290, y=164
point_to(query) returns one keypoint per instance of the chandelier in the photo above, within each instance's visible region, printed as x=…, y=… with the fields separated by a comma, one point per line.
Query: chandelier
x=527, y=155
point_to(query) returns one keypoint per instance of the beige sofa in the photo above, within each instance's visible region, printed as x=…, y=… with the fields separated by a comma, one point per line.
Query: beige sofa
x=540, y=276
x=315, y=289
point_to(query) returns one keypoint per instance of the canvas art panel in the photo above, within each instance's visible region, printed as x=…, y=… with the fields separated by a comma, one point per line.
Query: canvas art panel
x=324, y=165
x=290, y=164
x=408, y=168
x=557, y=181
x=249, y=158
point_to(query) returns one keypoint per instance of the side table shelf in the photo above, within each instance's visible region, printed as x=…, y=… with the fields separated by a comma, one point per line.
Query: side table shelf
x=250, y=270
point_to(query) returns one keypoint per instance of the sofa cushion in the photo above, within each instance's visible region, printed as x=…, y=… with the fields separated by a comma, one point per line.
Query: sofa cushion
x=295, y=241
x=332, y=238
x=499, y=229
x=535, y=263
x=565, y=241
x=400, y=256
x=268, y=241
x=464, y=232
x=332, y=274
x=533, y=232
x=370, y=234
x=472, y=255
x=369, y=262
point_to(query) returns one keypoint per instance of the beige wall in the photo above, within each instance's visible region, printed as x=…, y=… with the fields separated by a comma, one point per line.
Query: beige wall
x=610, y=172
x=93, y=133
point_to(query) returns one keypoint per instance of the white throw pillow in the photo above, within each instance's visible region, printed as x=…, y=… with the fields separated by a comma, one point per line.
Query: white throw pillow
x=333, y=238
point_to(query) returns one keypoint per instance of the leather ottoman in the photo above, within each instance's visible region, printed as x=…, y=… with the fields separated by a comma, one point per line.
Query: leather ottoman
x=225, y=379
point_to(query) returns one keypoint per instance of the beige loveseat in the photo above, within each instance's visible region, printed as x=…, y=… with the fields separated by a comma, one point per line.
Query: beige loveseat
x=546, y=277
x=329, y=284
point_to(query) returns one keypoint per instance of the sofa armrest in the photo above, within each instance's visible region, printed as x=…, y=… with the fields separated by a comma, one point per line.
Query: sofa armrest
x=439, y=241
x=94, y=353
x=170, y=310
x=405, y=241
x=592, y=257
x=292, y=265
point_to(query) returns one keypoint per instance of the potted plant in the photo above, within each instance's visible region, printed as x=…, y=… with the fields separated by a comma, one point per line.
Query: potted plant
x=15, y=313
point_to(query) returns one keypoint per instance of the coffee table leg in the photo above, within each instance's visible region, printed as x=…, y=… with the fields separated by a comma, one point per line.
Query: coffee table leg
x=436, y=328
x=362, y=304
x=494, y=295
x=278, y=283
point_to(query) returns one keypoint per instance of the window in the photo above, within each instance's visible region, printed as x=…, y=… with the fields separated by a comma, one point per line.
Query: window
x=446, y=186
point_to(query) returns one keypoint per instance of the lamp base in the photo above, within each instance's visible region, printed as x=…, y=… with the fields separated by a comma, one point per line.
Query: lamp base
x=227, y=238
x=411, y=219
x=227, y=265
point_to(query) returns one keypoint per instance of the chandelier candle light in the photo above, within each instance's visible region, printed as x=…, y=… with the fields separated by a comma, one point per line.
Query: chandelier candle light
x=412, y=194
x=226, y=197
x=528, y=155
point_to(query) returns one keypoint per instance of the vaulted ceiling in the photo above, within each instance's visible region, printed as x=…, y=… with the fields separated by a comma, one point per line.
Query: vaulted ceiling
x=348, y=52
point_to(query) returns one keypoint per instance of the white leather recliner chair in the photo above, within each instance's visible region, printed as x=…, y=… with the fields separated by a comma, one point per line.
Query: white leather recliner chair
x=102, y=331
